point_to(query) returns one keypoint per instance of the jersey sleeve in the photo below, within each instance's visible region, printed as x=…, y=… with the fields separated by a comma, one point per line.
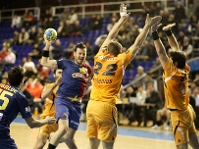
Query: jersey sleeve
x=62, y=64
x=103, y=49
x=23, y=106
x=169, y=68
x=127, y=57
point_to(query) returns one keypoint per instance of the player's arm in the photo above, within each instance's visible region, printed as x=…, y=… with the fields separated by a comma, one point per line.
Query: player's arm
x=45, y=61
x=116, y=28
x=32, y=123
x=171, y=37
x=159, y=45
x=48, y=90
x=142, y=36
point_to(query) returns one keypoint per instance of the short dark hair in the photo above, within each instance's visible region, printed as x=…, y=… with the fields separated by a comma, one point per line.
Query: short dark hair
x=114, y=48
x=80, y=45
x=15, y=76
x=179, y=57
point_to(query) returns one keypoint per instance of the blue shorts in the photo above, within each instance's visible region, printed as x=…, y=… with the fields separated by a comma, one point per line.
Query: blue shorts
x=68, y=110
x=7, y=144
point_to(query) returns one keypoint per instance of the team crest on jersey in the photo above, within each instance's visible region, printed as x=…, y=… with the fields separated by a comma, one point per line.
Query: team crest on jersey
x=27, y=109
x=83, y=70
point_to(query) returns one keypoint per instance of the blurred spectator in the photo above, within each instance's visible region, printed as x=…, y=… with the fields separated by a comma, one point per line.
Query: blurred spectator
x=29, y=67
x=23, y=37
x=43, y=72
x=9, y=59
x=64, y=29
x=36, y=52
x=98, y=43
x=197, y=10
x=34, y=86
x=91, y=22
x=193, y=25
x=98, y=22
x=40, y=34
x=141, y=95
x=146, y=52
x=153, y=97
x=179, y=12
x=15, y=39
x=77, y=29
x=28, y=19
x=148, y=80
x=50, y=23
x=111, y=24
x=140, y=76
x=73, y=16
x=32, y=35
x=64, y=15
x=156, y=70
x=90, y=51
x=69, y=50
x=158, y=8
x=187, y=47
x=172, y=19
x=57, y=50
x=16, y=21
x=47, y=15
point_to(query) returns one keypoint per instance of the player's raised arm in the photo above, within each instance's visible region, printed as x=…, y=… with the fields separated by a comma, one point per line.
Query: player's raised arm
x=48, y=90
x=142, y=36
x=45, y=61
x=116, y=28
x=170, y=36
x=159, y=45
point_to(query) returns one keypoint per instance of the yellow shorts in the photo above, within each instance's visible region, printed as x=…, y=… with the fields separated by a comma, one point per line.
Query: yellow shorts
x=183, y=124
x=47, y=129
x=101, y=121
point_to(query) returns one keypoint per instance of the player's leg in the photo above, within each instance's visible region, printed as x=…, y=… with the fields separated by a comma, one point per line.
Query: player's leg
x=56, y=137
x=107, y=145
x=41, y=141
x=68, y=138
x=43, y=135
x=93, y=143
x=62, y=116
x=193, y=141
x=91, y=130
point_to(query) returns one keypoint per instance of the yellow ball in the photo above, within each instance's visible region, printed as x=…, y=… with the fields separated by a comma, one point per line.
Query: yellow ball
x=50, y=34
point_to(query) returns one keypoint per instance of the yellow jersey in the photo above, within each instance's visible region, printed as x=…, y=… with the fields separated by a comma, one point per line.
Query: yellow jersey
x=108, y=74
x=176, y=86
x=49, y=103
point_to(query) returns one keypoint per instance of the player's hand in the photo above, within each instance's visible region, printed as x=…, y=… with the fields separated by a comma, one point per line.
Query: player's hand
x=168, y=27
x=123, y=11
x=50, y=120
x=155, y=27
x=49, y=42
x=152, y=21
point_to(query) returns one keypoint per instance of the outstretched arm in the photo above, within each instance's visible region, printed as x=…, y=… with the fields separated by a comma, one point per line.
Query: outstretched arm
x=45, y=61
x=116, y=28
x=142, y=36
x=159, y=45
x=170, y=36
x=48, y=90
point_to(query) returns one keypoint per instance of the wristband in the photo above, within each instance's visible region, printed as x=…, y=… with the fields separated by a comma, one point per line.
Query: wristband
x=45, y=53
x=168, y=32
x=155, y=35
x=123, y=13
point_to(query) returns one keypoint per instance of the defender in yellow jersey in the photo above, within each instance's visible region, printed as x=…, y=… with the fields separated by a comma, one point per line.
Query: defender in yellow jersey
x=176, y=90
x=109, y=65
x=49, y=94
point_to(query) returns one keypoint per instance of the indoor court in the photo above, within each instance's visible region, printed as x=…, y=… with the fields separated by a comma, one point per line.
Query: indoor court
x=128, y=138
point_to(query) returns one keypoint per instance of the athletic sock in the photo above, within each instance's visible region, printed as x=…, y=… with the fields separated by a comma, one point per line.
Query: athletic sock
x=50, y=146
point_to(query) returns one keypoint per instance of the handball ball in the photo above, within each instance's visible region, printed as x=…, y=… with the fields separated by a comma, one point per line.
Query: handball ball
x=50, y=34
